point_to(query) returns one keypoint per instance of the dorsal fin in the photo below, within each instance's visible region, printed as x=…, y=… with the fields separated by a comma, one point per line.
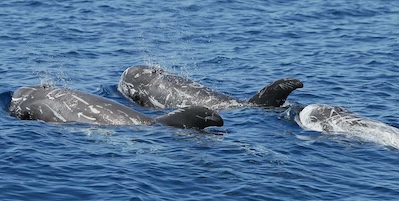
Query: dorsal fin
x=276, y=93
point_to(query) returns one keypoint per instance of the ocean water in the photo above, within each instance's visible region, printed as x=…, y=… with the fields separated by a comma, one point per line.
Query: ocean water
x=345, y=52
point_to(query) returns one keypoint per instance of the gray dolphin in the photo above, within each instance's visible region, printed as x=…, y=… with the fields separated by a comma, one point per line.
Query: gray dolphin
x=153, y=87
x=337, y=120
x=52, y=104
x=327, y=118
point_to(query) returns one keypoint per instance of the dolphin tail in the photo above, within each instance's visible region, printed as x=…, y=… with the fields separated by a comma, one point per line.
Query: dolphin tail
x=276, y=93
x=191, y=117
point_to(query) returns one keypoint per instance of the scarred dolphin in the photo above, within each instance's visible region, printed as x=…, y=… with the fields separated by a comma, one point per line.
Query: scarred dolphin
x=338, y=120
x=52, y=104
x=154, y=87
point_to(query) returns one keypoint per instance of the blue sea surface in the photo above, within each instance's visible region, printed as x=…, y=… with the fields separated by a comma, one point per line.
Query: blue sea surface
x=345, y=52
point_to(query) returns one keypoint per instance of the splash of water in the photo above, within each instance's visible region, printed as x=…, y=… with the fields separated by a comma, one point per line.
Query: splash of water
x=50, y=78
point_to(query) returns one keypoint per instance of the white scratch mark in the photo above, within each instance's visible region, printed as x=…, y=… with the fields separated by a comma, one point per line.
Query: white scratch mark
x=135, y=121
x=196, y=85
x=147, y=71
x=167, y=98
x=67, y=106
x=80, y=114
x=176, y=111
x=94, y=110
x=81, y=100
x=49, y=95
x=156, y=103
x=58, y=115
x=161, y=86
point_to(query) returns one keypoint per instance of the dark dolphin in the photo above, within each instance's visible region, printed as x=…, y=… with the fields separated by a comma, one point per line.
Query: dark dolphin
x=153, y=87
x=51, y=104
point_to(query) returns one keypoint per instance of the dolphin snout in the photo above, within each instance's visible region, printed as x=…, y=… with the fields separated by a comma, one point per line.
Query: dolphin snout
x=216, y=119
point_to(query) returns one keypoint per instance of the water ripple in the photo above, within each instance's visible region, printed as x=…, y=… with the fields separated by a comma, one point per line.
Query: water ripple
x=345, y=52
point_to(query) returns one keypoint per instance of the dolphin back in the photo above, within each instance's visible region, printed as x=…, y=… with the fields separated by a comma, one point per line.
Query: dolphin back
x=51, y=104
x=153, y=87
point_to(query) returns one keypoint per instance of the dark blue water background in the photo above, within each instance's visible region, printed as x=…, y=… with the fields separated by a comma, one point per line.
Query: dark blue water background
x=345, y=52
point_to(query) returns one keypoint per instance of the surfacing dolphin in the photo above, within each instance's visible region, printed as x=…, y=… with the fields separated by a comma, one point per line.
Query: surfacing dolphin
x=333, y=119
x=154, y=87
x=51, y=104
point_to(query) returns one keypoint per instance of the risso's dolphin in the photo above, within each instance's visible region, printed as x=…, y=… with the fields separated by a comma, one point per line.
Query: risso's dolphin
x=337, y=120
x=153, y=87
x=52, y=104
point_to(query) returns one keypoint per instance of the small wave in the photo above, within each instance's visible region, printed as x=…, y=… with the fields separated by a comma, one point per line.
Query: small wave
x=108, y=91
x=5, y=100
x=217, y=60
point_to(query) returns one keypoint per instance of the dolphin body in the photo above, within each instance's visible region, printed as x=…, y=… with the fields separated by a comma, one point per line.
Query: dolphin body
x=52, y=104
x=337, y=120
x=154, y=87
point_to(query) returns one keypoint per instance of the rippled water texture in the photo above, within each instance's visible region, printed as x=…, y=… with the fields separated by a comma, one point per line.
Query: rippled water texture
x=345, y=52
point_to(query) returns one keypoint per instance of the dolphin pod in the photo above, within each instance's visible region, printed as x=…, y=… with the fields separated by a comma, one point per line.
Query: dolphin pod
x=156, y=88
x=164, y=90
x=153, y=87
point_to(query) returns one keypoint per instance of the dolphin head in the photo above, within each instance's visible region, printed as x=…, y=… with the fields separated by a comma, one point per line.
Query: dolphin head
x=20, y=98
x=141, y=74
x=24, y=91
x=320, y=117
x=136, y=80
x=192, y=117
x=322, y=112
